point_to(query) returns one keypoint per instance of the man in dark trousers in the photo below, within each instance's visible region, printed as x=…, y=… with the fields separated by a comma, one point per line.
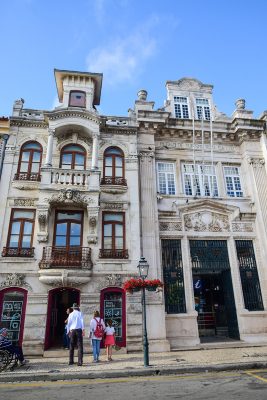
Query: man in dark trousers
x=6, y=344
x=75, y=330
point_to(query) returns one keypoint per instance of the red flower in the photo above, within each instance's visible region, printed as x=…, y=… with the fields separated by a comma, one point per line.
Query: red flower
x=133, y=283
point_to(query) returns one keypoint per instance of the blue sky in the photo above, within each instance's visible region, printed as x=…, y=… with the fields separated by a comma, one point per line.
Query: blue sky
x=136, y=44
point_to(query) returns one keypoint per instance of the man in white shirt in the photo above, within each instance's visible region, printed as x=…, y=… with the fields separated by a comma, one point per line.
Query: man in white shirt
x=75, y=330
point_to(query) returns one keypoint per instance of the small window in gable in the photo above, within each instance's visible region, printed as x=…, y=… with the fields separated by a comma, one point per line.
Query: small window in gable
x=77, y=99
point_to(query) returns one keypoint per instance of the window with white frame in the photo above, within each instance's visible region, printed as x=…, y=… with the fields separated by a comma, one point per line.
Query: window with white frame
x=181, y=107
x=200, y=180
x=166, y=177
x=203, y=109
x=232, y=181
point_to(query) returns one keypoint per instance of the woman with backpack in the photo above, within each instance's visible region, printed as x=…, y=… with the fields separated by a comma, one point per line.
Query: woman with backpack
x=97, y=329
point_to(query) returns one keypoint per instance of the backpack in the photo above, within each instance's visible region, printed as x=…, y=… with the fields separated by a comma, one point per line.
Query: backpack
x=99, y=330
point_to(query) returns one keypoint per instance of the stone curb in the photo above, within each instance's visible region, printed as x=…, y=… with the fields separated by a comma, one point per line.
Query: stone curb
x=149, y=371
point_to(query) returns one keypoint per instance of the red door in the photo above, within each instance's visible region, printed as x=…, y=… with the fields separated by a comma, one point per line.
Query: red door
x=59, y=300
x=112, y=306
x=12, y=312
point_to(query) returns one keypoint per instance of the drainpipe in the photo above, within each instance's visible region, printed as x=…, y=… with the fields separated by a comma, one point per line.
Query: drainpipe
x=5, y=139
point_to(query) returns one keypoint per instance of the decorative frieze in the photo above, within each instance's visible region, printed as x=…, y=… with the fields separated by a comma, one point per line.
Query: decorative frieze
x=114, y=280
x=70, y=196
x=24, y=202
x=170, y=226
x=146, y=155
x=242, y=227
x=190, y=146
x=112, y=206
x=15, y=279
x=256, y=162
x=206, y=221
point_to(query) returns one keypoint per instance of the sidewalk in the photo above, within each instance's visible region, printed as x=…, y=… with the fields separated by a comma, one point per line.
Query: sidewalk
x=221, y=357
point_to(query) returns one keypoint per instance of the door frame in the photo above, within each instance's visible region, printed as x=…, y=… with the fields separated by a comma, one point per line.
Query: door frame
x=23, y=312
x=123, y=314
x=51, y=294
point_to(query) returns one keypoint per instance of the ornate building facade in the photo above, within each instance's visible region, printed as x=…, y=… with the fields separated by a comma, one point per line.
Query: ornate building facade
x=83, y=196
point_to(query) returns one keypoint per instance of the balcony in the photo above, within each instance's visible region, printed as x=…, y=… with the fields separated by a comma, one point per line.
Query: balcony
x=61, y=257
x=25, y=176
x=18, y=252
x=67, y=177
x=109, y=253
x=114, y=185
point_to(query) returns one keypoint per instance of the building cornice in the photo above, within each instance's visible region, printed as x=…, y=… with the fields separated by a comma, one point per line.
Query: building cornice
x=72, y=113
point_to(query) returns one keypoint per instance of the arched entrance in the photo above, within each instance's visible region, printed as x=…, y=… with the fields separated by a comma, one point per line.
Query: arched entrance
x=112, y=306
x=59, y=300
x=12, y=312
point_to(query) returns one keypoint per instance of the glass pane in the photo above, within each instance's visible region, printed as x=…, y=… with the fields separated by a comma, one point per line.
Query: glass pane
x=113, y=150
x=15, y=228
x=24, y=167
x=69, y=215
x=75, y=241
x=107, y=243
x=75, y=229
x=118, y=243
x=26, y=242
x=36, y=146
x=28, y=228
x=11, y=314
x=66, y=159
x=36, y=156
x=25, y=156
x=113, y=217
x=79, y=159
x=35, y=167
x=73, y=147
x=118, y=172
x=23, y=214
x=108, y=230
x=14, y=240
x=118, y=162
x=118, y=230
x=60, y=241
x=108, y=171
x=108, y=161
x=61, y=229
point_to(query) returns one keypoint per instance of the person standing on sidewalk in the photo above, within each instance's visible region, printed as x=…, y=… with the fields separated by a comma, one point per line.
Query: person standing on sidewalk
x=6, y=344
x=109, y=339
x=75, y=330
x=97, y=329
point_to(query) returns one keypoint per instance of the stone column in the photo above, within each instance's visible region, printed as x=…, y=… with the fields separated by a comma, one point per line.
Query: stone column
x=95, y=152
x=49, y=151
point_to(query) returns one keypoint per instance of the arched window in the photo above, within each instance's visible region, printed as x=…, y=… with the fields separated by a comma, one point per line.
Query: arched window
x=73, y=156
x=113, y=167
x=29, y=162
x=77, y=99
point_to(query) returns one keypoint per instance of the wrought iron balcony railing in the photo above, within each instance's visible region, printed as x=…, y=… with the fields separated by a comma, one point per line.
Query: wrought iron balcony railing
x=109, y=253
x=25, y=176
x=109, y=180
x=18, y=252
x=63, y=257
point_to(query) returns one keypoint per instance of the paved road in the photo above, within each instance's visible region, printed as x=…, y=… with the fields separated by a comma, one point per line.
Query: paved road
x=245, y=385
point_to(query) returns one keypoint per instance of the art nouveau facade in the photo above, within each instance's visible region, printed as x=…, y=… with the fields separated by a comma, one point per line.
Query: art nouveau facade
x=84, y=195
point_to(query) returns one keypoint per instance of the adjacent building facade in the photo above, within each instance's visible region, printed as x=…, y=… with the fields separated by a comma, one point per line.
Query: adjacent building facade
x=83, y=196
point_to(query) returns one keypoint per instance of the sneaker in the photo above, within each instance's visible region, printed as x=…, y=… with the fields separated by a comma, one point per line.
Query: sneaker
x=71, y=363
x=24, y=362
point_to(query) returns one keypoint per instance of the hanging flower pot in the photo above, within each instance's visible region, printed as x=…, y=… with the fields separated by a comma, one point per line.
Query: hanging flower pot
x=133, y=285
x=153, y=285
x=151, y=288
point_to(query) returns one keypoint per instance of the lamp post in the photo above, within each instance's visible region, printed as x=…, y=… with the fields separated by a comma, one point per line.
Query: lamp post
x=143, y=267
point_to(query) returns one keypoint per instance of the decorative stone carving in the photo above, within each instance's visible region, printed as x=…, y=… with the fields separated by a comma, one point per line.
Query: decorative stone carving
x=242, y=227
x=26, y=185
x=93, y=213
x=256, y=162
x=206, y=221
x=15, y=279
x=64, y=277
x=24, y=202
x=112, y=206
x=197, y=146
x=116, y=122
x=170, y=226
x=149, y=155
x=70, y=196
x=115, y=280
x=42, y=217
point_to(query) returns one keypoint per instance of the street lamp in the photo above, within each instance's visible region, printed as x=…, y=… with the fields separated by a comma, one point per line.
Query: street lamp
x=143, y=267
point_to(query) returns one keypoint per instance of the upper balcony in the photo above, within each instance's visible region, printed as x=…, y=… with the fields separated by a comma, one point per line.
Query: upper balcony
x=116, y=184
x=63, y=257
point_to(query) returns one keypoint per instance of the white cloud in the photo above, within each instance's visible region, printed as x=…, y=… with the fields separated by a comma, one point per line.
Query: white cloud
x=122, y=59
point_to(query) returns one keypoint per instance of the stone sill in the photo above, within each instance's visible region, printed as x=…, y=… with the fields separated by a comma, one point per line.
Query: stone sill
x=17, y=259
x=113, y=261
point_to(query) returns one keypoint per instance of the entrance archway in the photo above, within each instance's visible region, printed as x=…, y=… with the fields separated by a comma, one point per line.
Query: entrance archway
x=213, y=289
x=59, y=300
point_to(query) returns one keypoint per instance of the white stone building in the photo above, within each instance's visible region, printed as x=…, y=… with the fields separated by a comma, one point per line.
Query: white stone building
x=83, y=196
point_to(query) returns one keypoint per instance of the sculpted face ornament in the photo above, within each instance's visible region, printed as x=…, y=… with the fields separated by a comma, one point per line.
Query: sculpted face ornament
x=69, y=194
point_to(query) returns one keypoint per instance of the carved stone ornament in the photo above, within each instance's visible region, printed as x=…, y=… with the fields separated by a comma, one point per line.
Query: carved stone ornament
x=170, y=226
x=63, y=277
x=112, y=206
x=70, y=196
x=24, y=202
x=242, y=227
x=206, y=221
x=42, y=219
x=146, y=155
x=26, y=185
x=256, y=162
x=111, y=280
x=15, y=279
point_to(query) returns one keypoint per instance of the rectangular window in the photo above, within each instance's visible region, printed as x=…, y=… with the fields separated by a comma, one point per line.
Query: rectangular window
x=181, y=107
x=113, y=236
x=166, y=178
x=249, y=275
x=19, y=242
x=203, y=109
x=200, y=180
x=232, y=181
